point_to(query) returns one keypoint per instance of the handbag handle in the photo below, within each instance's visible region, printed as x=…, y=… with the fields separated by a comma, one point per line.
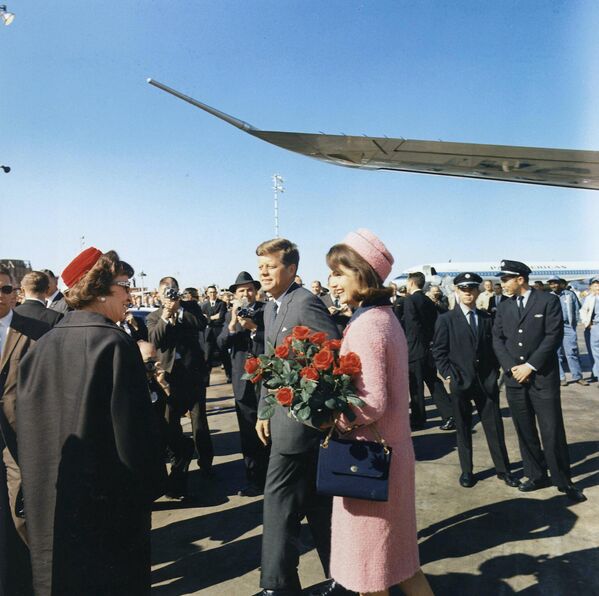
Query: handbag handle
x=373, y=427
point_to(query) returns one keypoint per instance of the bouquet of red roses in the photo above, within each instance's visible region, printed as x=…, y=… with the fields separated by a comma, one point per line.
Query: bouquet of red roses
x=307, y=375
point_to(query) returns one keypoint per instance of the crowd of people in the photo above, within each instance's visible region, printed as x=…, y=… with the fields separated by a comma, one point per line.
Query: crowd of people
x=94, y=389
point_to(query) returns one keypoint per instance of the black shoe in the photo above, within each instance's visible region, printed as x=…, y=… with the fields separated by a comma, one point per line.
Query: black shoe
x=449, y=424
x=331, y=588
x=528, y=485
x=509, y=479
x=467, y=480
x=573, y=493
x=279, y=593
x=250, y=491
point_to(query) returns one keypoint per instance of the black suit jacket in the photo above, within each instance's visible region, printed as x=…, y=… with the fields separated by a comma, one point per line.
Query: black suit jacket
x=492, y=308
x=242, y=345
x=214, y=326
x=34, y=309
x=533, y=337
x=298, y=307
x=182, y=338
x=419, y=317
x=463, y=356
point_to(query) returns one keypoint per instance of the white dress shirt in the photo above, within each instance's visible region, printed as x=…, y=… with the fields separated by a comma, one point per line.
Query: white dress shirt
x=4, y=327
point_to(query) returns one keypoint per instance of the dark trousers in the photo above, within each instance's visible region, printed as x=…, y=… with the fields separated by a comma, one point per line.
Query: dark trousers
x=530, y=404
x=189, y=393
x=211, y=350
x=423, y=371
x=255, y=454
x=289, y=496
x=490, y=417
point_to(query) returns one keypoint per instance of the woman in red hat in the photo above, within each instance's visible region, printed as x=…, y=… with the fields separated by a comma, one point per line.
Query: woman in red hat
x=89, y=448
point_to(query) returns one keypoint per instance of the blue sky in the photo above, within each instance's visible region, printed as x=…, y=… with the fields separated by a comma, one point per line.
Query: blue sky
x=96, y=151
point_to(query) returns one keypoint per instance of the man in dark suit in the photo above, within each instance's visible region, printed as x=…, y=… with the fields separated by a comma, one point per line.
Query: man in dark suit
x=496, y=300
x=17, y=335
x=175, y=329
x=35, y=286
x=527, y=332
x=290, y=491
x=243, y=334
x=134, y=326
x=215, y=311
x=419, y=317
x=55, y=299
x=463, y=352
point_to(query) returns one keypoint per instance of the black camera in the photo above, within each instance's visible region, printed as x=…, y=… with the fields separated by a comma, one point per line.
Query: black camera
x=171, y=293
x=246, y=313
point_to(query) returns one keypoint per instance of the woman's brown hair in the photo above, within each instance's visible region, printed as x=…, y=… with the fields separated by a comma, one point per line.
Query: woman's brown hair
x=371, y=286
x=98, y=280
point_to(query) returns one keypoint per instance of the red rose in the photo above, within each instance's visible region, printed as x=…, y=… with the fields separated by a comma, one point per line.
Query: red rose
x=282, y=351
x=287, y=341
x=318, y=338
x=251, y=365
x=285, y=396
x=323, y=359
x=333, y=344
x=310, y=373
x=350, y=363
x=301, y=332
x=338, y=371
x=256, y=379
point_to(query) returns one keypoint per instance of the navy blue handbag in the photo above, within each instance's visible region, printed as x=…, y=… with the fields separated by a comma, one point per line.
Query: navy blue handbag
x=357, y=469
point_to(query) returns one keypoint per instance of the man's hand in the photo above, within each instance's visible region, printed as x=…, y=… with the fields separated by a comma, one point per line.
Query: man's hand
x=170, y=307
x=521, y=373
x=247, y=324
x=161, y=379
x=263, y=430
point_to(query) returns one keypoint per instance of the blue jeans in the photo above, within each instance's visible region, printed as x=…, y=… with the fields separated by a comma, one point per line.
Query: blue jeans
x=591, y=337
x=569, y=351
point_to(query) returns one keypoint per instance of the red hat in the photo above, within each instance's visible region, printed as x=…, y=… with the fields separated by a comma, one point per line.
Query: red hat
x=80, y=265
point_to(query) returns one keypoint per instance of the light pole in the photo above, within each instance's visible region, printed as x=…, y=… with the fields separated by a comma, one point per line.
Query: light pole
x=277, y=186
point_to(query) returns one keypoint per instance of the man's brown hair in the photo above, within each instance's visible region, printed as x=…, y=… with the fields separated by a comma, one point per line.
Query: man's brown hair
x=288, y=250
x=35, y=282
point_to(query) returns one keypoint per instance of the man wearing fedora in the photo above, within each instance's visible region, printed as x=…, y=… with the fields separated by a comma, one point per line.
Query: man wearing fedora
x=568, y=350
x=243, y=334
x=527, y=333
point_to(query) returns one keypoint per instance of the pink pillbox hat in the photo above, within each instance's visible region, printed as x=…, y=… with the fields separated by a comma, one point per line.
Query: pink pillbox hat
x=372, y=250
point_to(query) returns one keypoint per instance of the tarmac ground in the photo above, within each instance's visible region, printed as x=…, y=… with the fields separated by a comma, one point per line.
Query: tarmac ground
x=487, y=540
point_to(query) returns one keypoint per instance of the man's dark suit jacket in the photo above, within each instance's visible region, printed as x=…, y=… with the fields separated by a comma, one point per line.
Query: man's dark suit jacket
x=419, y=317
x=492, y=308
x=533, y=337
x=214, y=326
x=298, y=307
x=34, y=309
x=463, y=357
x=241, y=345
x=181, y=338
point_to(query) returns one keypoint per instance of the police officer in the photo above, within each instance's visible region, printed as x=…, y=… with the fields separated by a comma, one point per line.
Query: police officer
x=463, y=352
x=527, y=333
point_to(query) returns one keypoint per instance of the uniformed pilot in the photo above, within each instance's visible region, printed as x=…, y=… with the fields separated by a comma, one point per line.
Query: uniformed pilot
x=463, y=352
x=527, y=333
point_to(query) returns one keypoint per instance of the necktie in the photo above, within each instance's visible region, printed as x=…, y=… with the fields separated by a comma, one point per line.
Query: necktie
x=520, y=305
x=336, y=303
x=472, y=321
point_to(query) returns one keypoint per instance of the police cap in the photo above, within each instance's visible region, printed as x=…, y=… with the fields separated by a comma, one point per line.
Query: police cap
x=514, y=268
x=467, y=280
x=556, y=278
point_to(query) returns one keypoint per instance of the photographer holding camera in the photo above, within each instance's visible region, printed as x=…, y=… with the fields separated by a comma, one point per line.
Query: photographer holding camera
x=243, y=334
x=175, y=331
x=180, y=447
x=215, y=310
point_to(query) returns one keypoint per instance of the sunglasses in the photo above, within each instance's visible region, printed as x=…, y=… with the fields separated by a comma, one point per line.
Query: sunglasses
x=123, y=284
x=7, y=289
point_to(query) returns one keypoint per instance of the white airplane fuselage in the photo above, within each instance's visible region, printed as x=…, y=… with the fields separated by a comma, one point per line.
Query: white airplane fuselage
x=443, y=273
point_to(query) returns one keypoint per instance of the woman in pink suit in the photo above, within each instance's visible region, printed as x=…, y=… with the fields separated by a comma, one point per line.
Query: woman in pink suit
x=374, y=544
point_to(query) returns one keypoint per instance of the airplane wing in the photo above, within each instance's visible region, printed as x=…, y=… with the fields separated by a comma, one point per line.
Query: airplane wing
x=553, y=167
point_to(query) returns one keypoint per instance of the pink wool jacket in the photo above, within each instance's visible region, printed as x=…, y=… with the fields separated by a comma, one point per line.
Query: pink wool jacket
x=374, y=544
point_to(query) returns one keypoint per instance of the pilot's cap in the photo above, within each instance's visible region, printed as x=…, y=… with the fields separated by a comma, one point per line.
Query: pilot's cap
x=514, y=268
x=556, y=278
x=467, y=280
x=595, y=280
